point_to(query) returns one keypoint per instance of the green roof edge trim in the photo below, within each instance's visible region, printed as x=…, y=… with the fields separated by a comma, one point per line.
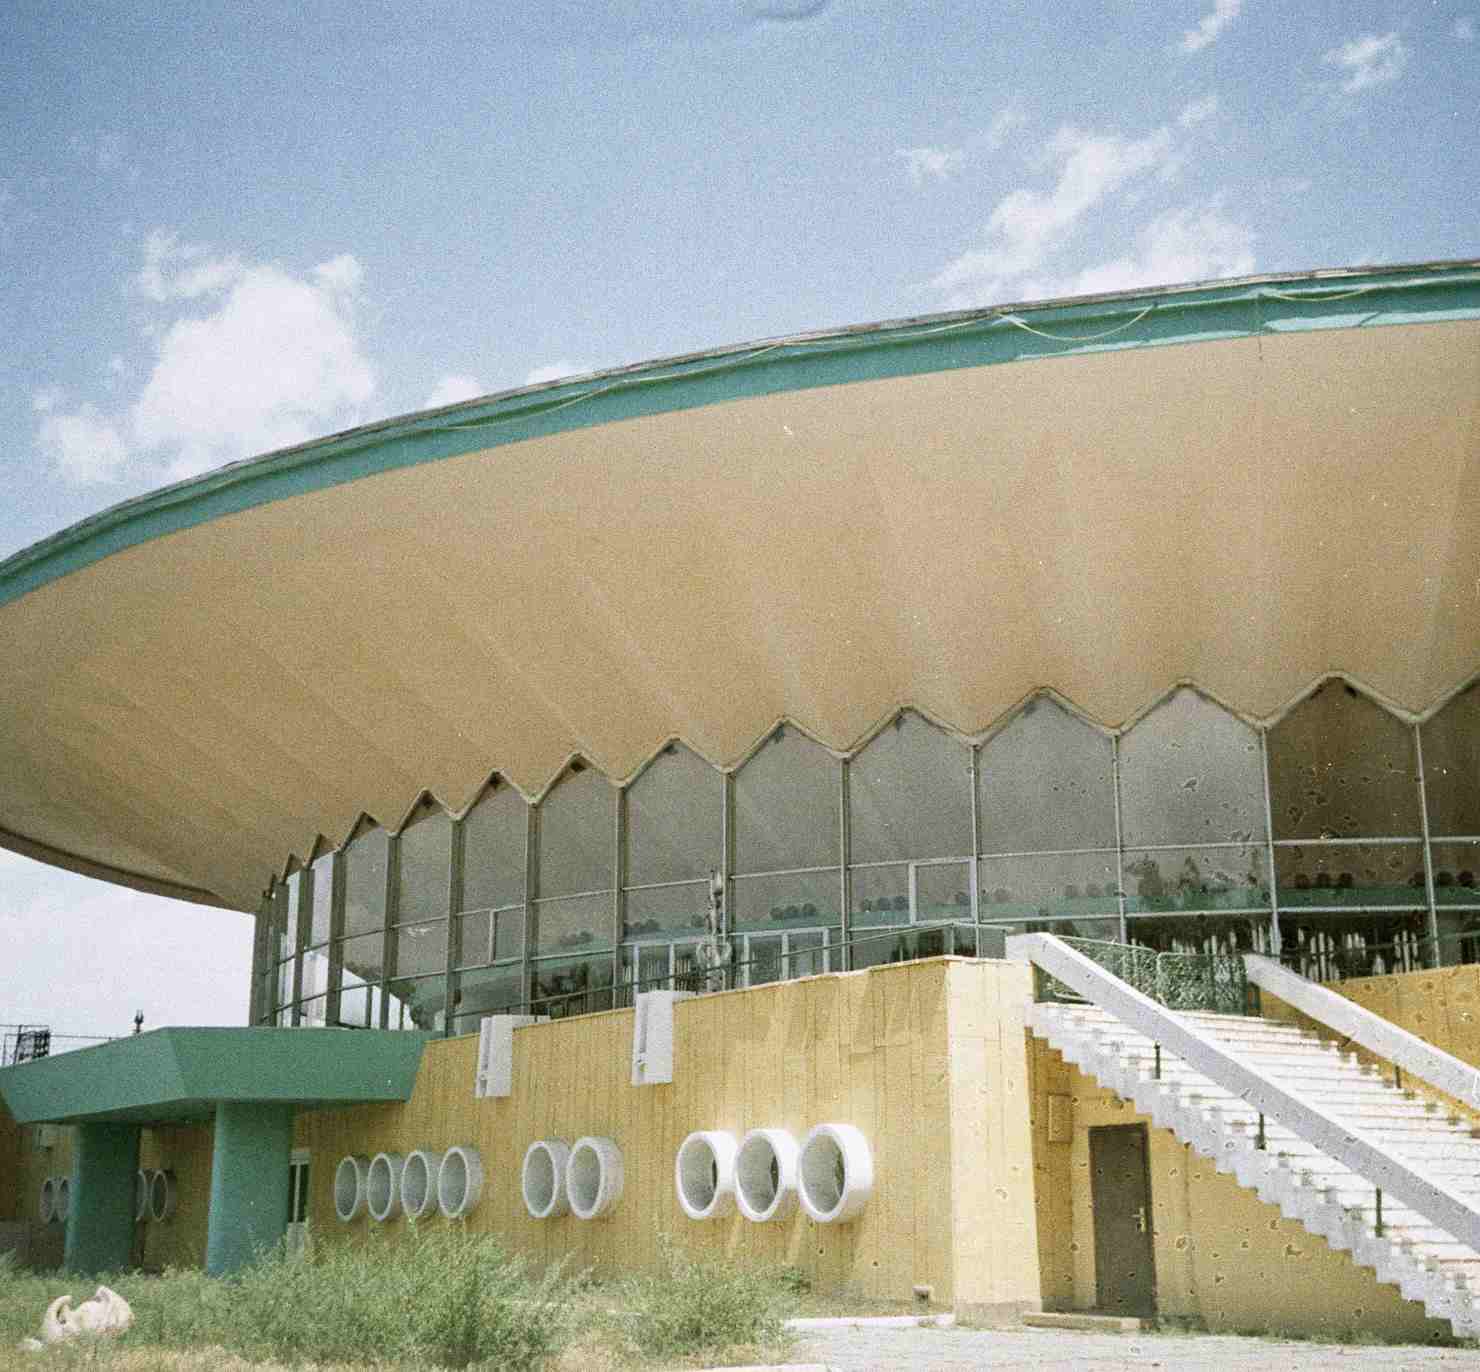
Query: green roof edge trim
x=1162, y=316
x=181, y=1073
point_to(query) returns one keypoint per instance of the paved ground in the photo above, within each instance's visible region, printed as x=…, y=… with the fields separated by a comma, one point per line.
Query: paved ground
x=953, y=1350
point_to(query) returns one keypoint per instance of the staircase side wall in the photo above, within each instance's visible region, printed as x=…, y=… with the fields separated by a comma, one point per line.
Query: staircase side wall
x=1441, y=1007
x=1223, y=1257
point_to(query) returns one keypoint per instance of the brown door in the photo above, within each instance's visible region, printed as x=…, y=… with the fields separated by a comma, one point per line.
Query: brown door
x=1120, y=1192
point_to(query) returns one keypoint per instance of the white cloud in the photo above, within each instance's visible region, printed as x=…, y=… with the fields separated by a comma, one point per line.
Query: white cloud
x=1006, y=123
x=1181, y=245
x=84, y=447
x=182, y=271
x=553, y=371
x=1464, y=29
x=1198, y=110
x=451, y=389
x=924, y=163
x=1211, y=25
x=264, y=359
x=1368, y=61
x=46, y=399
x=1027, y=227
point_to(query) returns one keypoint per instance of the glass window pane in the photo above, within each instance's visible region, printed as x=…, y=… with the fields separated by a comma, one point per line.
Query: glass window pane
x=778, y=902
x=323, y=898
x=1451, y=766
x=1341, y=767
x=577, y=833
x=474, y=939
x=364, y=882
x=425, y=868
x=293, y=910
x=880, y=896
x=1201, y=933
x=315, y=974
x=675, y=819
x=786, y=806
x=573, y=985
x=421, y=948
x=667, y=910
x=493, y=850
x=1046, y=782
x=1326, y=874
x=1190, y=773
x=1075, y=884
x=575, y=922
x=1456, y=872
x=942, y=891
x=909, y=793
x=1197, y=879
x=762, y=959
x=1333, y=947
x=487, y=992
x=420, y=1002
x=363, y=957
x=806, y=953
x=313, y=1011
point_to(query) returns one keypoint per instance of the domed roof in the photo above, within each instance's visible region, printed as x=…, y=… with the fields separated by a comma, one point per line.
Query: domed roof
x=1246, y=485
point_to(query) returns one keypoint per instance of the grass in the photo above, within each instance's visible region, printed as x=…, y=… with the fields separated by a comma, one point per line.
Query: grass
x=440, y=1298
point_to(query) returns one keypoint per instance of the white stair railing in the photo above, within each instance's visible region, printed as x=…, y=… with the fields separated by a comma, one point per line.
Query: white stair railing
x=1380, y=1036
x=1351, y=1147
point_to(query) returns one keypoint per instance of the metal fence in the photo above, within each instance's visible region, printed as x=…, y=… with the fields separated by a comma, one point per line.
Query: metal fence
x=1213, y=982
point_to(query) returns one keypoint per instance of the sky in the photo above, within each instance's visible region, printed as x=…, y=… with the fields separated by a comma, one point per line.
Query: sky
x=229, y=227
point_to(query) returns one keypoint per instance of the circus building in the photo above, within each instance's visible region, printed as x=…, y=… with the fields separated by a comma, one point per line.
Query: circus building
x=921, y=802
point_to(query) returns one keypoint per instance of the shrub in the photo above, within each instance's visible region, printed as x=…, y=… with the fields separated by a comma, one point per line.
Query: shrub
x=696, y=1305
x=439, y=1296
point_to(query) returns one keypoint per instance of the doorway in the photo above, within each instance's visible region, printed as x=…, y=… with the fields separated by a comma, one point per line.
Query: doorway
x=1120, y=1197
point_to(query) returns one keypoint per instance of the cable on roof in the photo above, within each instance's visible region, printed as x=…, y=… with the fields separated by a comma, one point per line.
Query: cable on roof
x=1317, y=295
x=1076, y=338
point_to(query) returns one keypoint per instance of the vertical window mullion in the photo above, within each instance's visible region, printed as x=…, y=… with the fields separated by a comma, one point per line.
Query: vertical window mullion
x=1436, y=959
x=388, y=940
x=845, y=857
x=531, y=894
x=1276, y=943
x=1119, y=839
x=619, y=887
x=450, y=978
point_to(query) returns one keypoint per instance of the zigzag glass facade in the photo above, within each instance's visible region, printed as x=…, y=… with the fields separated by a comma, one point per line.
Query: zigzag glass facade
x=1339, y=836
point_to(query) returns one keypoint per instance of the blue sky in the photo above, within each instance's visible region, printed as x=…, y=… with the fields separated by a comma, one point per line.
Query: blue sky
x=225, y=227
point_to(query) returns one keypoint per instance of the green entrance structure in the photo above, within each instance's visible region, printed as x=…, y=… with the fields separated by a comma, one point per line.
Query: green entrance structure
x=251, y=1081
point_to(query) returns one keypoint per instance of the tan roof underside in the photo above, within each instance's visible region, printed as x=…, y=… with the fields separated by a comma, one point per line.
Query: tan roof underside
x=1246, y=514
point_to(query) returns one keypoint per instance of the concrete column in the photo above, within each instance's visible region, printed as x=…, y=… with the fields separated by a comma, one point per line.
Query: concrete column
x=100, y=1223
x=249, y=1183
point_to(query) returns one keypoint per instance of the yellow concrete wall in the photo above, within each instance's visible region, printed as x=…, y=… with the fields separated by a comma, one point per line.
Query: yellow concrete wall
x=994, y=1222
x=912, y=1054
x=185, y=1150
x=1223, y=1256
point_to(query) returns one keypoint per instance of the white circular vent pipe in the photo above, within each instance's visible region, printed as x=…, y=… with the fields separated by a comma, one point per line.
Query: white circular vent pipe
x=542, y=1179
x=350, y=1186
x=835, y=1173
x=162, y=1195
x=593, y=1177
x=63, y=1194
x=704, y=1174
x=766, y=1175
x=419, y=1184
x=142, y=1179
x=48, y=1201
x=383, y=1186
x=459, y=1182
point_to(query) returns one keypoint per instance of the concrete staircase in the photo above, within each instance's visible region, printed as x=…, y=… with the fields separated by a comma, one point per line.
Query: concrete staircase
x=1426, y=1261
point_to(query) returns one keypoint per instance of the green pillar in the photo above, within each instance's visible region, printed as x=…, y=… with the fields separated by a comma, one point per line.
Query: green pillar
x=100, y=1222
x=249, y=1183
